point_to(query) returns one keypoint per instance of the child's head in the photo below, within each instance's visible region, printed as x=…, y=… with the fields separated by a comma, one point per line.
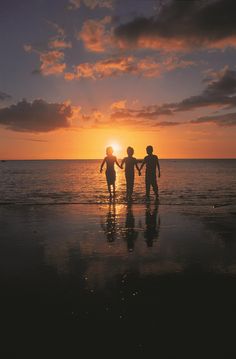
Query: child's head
x=149, y=150
x=109, y=151
x=130, y=151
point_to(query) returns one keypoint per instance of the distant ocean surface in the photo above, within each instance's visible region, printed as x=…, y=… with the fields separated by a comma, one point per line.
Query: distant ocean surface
x=182, y=182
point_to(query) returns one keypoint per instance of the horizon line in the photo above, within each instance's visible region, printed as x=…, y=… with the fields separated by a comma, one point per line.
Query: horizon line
x=99, y=159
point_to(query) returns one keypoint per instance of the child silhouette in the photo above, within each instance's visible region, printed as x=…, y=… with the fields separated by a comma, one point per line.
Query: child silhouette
x=130, y=162
x=110, y=161
x=152, y=163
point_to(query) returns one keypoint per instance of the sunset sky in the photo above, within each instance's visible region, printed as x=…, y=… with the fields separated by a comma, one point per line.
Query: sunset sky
x=78, y=75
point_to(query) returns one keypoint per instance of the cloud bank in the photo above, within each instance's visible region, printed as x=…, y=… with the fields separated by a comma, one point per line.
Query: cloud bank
x=38, y=116
x=225, y=120
x=182, y=25
x=116, y=66
x=220, y=92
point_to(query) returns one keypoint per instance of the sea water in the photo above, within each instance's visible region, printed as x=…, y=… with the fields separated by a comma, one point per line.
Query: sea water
x=182, y=182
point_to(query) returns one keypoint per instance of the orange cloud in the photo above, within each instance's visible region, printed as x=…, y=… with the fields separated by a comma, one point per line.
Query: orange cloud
x=52, y=58
x=175, y=44
x=118, y=105
x=52, y=63
x=94, y=34
x=116, y=66
x=59, y=44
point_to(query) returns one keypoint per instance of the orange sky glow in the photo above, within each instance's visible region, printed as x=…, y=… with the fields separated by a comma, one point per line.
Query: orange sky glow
x=95, y=73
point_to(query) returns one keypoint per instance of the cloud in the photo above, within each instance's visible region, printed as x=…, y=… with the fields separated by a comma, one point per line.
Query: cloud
x=60, y=31
x=182, y=25
x=145, y=113
x=51, y=61
x=4, y=96
x=226, y=120
x=168, y=123
x=118, y=105
x=38, y=116
x=52, y=57
x=116, y=66
x=94, y=34
x=34, y=140
x=74, y=4
x=92, y=4
x=220, y=91
x=59, y=44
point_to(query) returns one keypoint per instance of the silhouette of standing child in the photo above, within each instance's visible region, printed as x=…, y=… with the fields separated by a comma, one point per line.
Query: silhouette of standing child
x=110, y=161
x=152, y=163
x=130, y=162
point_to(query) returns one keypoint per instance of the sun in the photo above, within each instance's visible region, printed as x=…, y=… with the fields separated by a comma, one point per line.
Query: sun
x=116, y=147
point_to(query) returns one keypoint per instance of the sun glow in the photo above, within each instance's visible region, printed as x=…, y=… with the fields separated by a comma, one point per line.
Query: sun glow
x=116, y=147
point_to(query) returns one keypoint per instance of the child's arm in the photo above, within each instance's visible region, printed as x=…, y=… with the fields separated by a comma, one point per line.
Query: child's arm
x=122, y=163
x=103, y=163
x=143, y=163
x=136, y=165
x=117, y=163
x=159, y=168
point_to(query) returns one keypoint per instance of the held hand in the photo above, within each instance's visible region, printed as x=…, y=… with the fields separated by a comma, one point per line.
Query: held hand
x=159, y=175
x=139, y=173
x=100, y=170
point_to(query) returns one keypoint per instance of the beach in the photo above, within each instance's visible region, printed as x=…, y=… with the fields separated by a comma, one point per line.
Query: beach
x=133, y=278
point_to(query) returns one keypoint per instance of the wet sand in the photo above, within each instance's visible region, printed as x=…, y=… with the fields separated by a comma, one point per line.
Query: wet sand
x=120, y=279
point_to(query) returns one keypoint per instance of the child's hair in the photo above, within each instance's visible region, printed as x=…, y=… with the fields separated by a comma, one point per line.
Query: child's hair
x=149, y=150
x=109, y=150
x=130, y=151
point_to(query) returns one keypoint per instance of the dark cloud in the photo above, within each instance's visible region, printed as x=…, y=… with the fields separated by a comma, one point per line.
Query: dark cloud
x=34, y=140
x=4, y=96
x=225, y=120
x=168, y=123
x=145, y=113
x=38, y=116
x=220, y=91
x=183, y=24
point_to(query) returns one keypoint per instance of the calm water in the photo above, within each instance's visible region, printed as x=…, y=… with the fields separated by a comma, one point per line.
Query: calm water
x=197, y=182
x=159, y=279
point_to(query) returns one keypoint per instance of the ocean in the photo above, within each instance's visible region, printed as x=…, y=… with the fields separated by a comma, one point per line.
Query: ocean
x=183, y=182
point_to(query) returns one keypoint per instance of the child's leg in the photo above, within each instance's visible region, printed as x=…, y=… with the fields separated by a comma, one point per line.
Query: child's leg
x=155, y=187
x=109, y=188
x=148, y=185
x=114, y=188
x=131, y=186
x=127, y=187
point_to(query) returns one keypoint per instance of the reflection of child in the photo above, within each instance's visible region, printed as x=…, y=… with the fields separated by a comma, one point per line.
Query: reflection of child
x=110, y=161
x=130, y=162
x=152, y=163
